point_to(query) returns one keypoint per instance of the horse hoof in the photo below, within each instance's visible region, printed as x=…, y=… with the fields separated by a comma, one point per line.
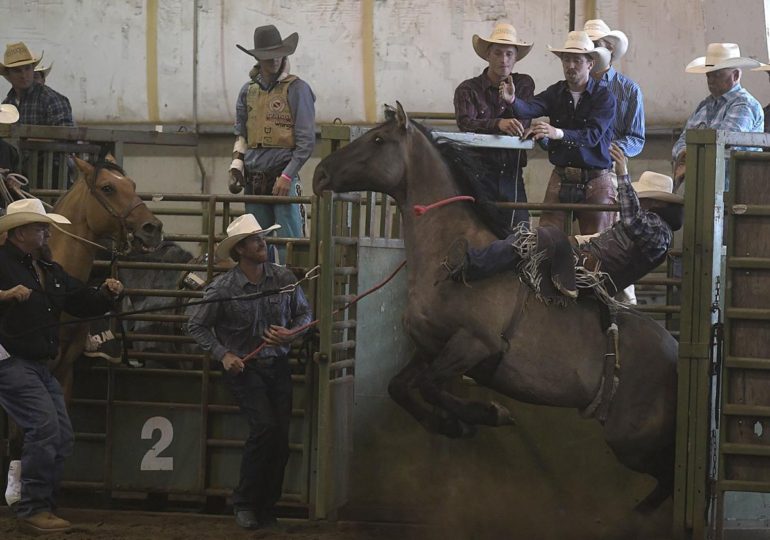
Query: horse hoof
x=502, y=415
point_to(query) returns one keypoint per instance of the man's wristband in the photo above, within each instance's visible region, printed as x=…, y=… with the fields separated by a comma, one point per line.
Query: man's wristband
x=286, y=177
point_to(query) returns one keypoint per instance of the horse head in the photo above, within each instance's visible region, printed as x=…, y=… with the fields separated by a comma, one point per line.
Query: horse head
x=376, y=161
x=114, y=209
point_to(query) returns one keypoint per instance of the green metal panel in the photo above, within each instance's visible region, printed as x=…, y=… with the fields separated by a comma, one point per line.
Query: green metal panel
x=702, y=241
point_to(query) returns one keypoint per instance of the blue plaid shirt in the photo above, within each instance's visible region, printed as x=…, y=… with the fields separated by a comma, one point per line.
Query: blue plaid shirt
x=647, y=229
x=628, y=126
x=42, y=106
x=735, y=110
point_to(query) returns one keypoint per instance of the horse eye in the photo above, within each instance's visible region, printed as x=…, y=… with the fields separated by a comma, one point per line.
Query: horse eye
x=379, y=140
x=108, y=189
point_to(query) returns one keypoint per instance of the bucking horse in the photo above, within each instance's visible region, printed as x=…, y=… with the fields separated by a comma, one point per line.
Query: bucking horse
x=496, y=332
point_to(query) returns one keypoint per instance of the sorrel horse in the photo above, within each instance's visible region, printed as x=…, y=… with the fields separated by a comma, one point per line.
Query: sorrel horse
x=553, y=355
x=101, y=204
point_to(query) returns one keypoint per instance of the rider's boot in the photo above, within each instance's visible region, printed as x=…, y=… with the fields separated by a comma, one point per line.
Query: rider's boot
x=561, y=257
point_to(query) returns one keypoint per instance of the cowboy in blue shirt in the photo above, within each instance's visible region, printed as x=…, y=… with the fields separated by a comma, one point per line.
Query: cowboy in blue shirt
x=578, y=134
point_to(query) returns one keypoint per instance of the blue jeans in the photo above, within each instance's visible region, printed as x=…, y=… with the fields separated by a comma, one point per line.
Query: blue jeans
x=32, y=397
x=499, y=256
x=264, y=395
x=286, y=215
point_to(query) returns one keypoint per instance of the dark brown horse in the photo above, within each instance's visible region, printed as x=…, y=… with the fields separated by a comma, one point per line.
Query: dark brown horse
x=554, y=355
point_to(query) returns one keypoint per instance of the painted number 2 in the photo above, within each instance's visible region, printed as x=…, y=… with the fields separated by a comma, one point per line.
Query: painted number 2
x=152, y=461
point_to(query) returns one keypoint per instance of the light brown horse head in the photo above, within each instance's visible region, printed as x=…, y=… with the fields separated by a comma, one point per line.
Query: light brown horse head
x=114, y=209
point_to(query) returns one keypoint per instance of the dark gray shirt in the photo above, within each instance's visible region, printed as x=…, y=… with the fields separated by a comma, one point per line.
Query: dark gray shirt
x=237, y=326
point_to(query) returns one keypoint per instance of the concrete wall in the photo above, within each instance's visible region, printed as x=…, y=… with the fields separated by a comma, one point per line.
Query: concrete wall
x=132, y=61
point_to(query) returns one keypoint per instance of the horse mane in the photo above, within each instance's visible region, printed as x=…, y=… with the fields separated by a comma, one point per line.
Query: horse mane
x=468, y=167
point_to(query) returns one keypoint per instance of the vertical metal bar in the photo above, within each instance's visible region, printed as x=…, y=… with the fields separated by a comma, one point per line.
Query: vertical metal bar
x=324, y=314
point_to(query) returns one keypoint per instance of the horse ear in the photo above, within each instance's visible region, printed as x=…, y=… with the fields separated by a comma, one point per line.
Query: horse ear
x=110, y=158
x=85, y=167
x=401, y=118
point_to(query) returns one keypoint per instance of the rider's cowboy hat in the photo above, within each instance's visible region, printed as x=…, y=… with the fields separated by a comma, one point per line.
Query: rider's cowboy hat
x=720, y=56
x=17, y=55
x=652, y=185
x=503, y=34
x=268, y=43
x=44, y=70
x=8, y=113
x=601, y=60
x=597, y=29
x=26, y=211
x=240, y=228
x=578, y=42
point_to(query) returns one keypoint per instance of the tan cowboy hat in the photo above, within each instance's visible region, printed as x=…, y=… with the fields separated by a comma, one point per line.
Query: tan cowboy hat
x=503, y=34
x=44, y=70
x=601, y=60
x=578, y=42
x=268, y=43
x=8, y=113
x=652, y=185
x=720, y=56
x=25, y=211
x=17, y=55
x=240, y=228
x=597, y=29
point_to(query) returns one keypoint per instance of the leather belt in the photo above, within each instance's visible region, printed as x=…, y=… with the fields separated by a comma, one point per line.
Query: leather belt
x=576, y=175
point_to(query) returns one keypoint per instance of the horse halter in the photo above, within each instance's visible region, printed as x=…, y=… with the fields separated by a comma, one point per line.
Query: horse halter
x=126, y=234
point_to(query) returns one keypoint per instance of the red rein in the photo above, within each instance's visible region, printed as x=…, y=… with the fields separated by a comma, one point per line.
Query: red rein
x=420, y=209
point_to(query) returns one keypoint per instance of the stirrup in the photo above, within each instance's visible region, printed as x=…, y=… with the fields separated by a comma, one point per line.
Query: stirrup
x=456, y=261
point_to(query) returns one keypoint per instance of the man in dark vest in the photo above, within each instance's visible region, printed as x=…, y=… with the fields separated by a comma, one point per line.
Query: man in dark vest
x=632, y=247
x=275, y=130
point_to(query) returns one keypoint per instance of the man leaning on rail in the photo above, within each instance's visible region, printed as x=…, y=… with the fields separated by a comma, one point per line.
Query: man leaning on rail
x=233, y=328
x=34, y=290
x=480, y=108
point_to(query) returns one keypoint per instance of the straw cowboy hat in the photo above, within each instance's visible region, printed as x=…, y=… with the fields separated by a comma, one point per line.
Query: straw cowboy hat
x=720, y=56
x=601, y=60
x=503, y=34
x=26, y=211
x=8, y=113
x=240, y=228
x=578, y=42
x=268, y=43
x=652, y=185
x=17, y=55
x=44, y=70
x=597, y=29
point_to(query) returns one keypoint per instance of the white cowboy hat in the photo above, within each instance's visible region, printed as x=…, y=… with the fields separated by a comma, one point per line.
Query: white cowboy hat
x=602, y=60
x=720, y=56
x=578, y=42
x=8, y=113
x=17, y=55
x=44, y=70
x=652, y=185
x=597, y=29
x=762, y=67
x=240, y=228
x=268, y=43
x=25, y=211
x=503, y=34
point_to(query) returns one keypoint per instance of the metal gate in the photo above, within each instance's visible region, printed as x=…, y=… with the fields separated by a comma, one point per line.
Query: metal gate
x=724, y=387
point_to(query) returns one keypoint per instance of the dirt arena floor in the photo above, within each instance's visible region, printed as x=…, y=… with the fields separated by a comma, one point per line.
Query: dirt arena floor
x=122, y=525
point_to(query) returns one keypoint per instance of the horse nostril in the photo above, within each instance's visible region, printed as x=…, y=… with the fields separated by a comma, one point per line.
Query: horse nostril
x=152, y=228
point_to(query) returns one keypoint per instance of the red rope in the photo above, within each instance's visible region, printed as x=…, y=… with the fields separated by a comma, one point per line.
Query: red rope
x=420, y=209
x=355, y=299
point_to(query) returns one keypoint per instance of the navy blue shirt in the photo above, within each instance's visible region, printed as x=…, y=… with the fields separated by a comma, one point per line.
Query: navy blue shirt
x=587, y=128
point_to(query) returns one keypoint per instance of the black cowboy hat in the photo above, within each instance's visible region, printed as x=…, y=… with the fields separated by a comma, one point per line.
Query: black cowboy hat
x=268, y=43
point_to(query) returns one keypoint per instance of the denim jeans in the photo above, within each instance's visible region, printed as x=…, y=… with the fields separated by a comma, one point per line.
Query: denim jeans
x=32, y=397
x=264, y=395
x=286, y=215
x=499, y=256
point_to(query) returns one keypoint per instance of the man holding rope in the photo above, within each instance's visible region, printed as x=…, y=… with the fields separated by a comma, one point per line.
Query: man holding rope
x=34, y=291
x=261, y=381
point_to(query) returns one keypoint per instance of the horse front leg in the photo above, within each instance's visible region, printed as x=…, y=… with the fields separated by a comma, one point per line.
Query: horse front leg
x=464, y=354
x=402, y=390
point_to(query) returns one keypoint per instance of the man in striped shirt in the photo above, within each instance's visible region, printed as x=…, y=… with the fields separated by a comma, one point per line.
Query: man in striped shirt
x=628, y=126
x=729, y=106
